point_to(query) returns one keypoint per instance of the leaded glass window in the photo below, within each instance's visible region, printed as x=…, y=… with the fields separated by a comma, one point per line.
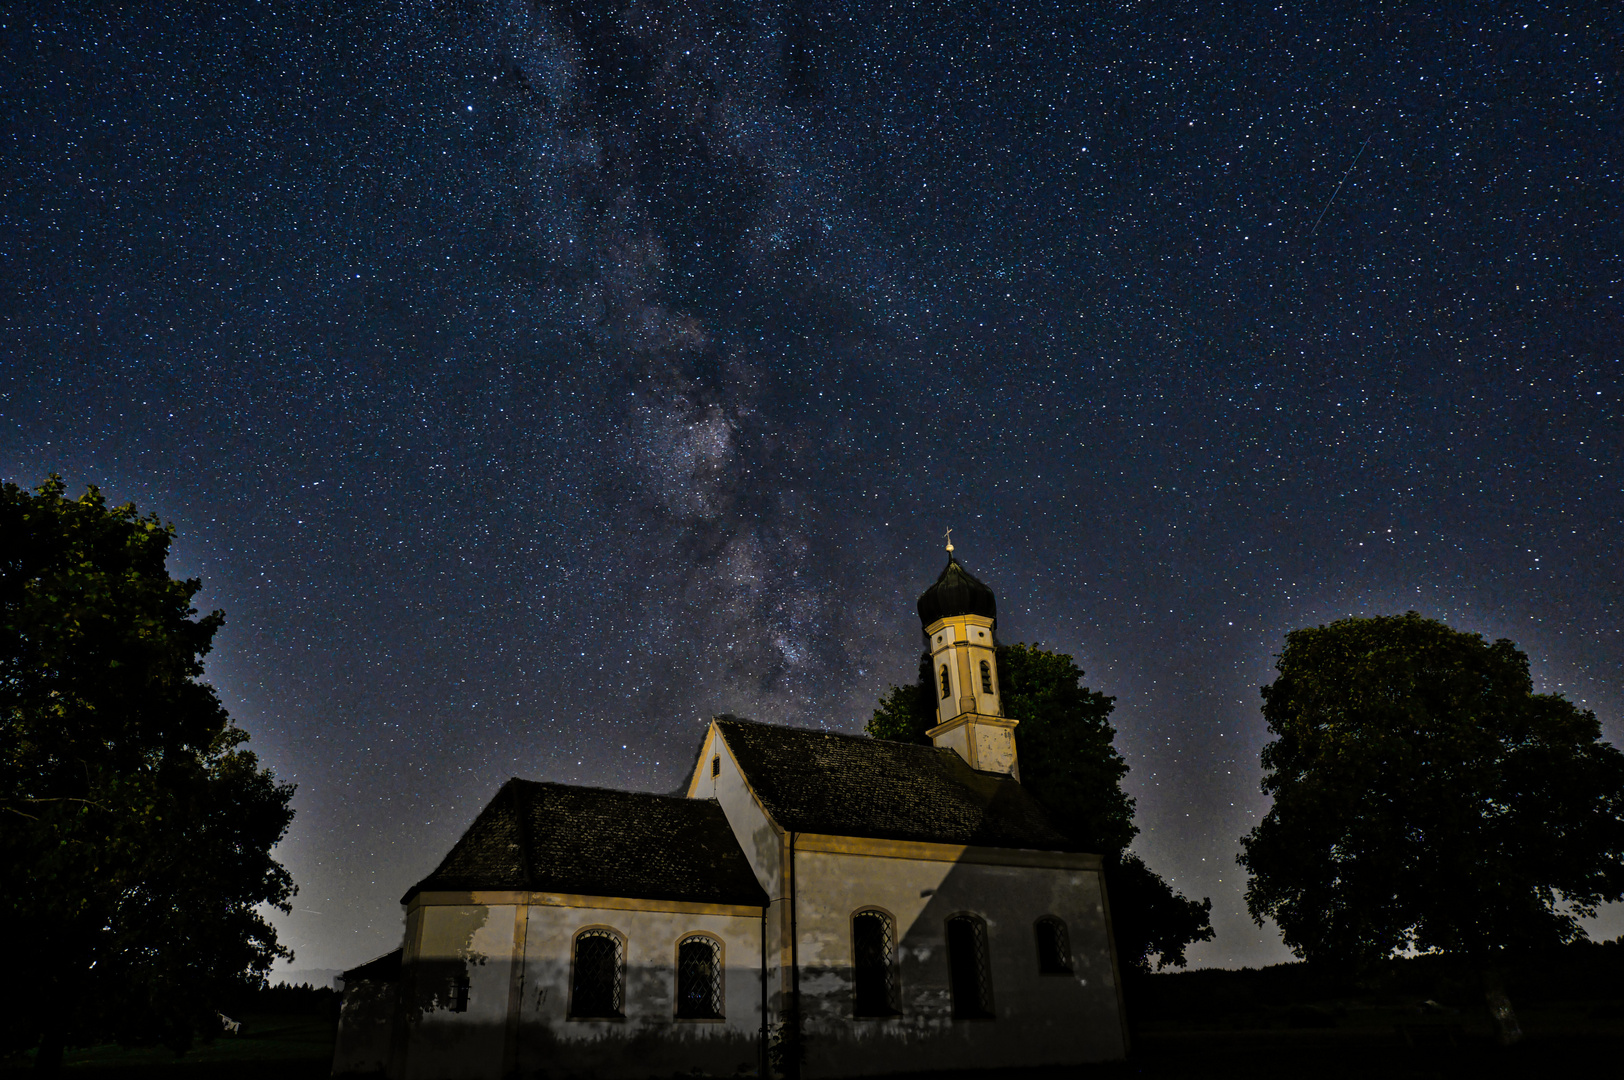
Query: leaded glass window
x=699, y=979
x=598, y=986
x=967, y=964
x=874, y=969
x=1054, y=947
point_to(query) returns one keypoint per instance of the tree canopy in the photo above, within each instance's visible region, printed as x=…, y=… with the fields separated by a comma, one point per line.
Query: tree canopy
x=1068, y=760
x=138, y=831
x=1425, y=797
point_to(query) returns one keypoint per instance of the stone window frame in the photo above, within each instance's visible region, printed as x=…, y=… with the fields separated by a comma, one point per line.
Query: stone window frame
x=721, y=977
x=892, y=961
x=1060, y=961
x=987, y=1009
x=620, y=975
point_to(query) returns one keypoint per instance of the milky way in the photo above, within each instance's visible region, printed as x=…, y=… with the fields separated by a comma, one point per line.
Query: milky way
x=530, y=382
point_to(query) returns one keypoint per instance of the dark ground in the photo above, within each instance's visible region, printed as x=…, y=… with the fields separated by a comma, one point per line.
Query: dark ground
x=1412, y=1018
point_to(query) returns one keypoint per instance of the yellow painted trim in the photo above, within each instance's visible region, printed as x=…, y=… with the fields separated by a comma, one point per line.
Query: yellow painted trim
x=705, y=752
x=972, y=620
x=578, y=900
x=958, y=853
x=972, y=718
x=714, y=735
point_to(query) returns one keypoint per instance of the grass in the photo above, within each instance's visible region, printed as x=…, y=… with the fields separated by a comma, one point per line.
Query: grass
x=270, y=1047
x=1414, y=1019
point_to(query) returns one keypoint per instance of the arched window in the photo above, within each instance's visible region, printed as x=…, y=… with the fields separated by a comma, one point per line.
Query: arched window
x=1054, y=947
x=598, y=983
x=967, y=966
x=944, y=680
x=699, y=978
x=874, y=969
x=986, y=677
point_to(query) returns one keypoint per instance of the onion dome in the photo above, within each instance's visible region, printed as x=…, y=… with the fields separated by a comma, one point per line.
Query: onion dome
x=956, y=593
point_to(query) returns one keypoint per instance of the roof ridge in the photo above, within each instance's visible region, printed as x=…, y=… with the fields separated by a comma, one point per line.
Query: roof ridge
x=860, y=736
x=599, y=787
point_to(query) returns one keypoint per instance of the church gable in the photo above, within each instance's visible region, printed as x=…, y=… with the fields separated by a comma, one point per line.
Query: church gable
x=852, y=785
x=596, y=842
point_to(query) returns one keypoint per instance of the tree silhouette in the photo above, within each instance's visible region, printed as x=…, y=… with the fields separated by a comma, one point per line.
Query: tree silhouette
x=137, y=834
x=1426, y=798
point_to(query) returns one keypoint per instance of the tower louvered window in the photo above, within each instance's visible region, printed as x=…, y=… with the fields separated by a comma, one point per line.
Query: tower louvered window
x=945, y=688
x=699, y=979
x=1054, y=947
x=598, y=985
x=968, y=968
x=986, y=677
x=874, y=969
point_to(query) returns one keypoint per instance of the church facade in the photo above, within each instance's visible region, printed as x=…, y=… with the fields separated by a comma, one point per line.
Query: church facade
x=811, y=904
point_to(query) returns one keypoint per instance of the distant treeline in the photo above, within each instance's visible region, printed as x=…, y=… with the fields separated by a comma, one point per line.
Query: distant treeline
x=1585, y=971
x=285, y=1000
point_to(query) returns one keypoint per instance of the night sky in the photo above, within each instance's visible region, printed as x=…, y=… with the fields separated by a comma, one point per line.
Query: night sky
x=529, y=382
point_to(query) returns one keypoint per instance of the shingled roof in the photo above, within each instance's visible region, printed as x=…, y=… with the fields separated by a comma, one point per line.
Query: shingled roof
x=852, y=785
x=596, y=842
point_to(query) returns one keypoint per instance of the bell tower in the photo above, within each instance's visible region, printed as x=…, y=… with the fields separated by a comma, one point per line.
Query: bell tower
x=960, y=617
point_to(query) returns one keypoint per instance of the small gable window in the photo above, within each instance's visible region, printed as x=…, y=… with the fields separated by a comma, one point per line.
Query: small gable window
x=968, y=968
x=1054, y=947
x=598, y=982
x=986, y=677
x=699, y=978
x=945, y=689
x=874, y=969
x=716, y=765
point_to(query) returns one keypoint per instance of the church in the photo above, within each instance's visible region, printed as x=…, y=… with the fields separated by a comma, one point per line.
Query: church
x=811, y=904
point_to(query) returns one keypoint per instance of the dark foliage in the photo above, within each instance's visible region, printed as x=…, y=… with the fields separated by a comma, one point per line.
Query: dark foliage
x=907, y=712
x=1425, y=796
x=1438, y=985
x=137, y=832
x=284, y=999
x=1149, y=918
x=1068, y=760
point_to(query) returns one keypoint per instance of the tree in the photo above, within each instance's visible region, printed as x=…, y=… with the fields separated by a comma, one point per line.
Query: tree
x=1068, y=761
x=137, y=835
x=1426, y=798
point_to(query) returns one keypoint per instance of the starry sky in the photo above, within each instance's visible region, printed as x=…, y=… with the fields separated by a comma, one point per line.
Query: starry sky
x=530, y=381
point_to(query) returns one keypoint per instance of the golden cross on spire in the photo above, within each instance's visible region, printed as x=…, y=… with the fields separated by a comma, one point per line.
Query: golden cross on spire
x=950, y=541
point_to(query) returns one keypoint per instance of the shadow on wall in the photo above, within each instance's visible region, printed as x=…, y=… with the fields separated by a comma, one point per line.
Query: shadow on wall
x=1026, y=1013
x=367, y=1017
x=439, y=978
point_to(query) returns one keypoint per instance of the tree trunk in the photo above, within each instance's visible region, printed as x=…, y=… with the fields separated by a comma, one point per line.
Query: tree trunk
x=1506, y=1028
x=48, y=1059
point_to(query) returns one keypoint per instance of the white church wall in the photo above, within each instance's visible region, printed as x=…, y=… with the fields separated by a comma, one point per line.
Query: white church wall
x=755, y=831
x=452, y=1031
x=957, y=740
x=1040, y=1019
x=649, y=1039
x=763, y=847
